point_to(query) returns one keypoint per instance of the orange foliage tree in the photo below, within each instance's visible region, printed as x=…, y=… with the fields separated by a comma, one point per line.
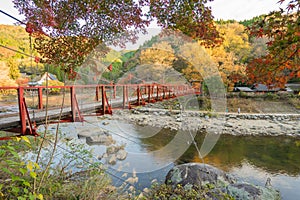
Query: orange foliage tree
x=67, y=31
x=282, y=28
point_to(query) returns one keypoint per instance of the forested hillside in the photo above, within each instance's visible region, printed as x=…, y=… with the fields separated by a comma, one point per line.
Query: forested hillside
x=14, y=56
x=14, y=37
x=231, y=57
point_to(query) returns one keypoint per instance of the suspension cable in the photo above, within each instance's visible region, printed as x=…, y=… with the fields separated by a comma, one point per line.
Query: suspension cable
x=5, y=13
x=15, y=50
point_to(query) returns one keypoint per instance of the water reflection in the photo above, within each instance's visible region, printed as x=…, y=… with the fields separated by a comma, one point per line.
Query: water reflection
x=252, y=159
x=273, y=154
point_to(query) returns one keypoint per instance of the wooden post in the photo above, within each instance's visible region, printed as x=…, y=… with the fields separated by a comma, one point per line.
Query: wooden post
x=201, y=88
x=138, y=93
x=97, y=93
x=103, y=99
x=74, y=106
x=22, y=111
x=124, y=96
x=40, y=97
x=73, y=109
x=149, y=93
x=115, y=91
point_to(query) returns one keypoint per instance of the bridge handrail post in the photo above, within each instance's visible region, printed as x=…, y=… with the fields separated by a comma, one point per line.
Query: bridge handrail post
x=103, y=102
x=115, y=91
x=40, y=97
x=149, y=93
x=72, y=94
x=22, y=111
x=157, y=91
x=124, y=96
x=97, y=93
x=138, y=95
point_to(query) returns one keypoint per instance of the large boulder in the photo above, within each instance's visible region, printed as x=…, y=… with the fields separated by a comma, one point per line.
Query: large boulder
x=192, y=175
x=196, y=174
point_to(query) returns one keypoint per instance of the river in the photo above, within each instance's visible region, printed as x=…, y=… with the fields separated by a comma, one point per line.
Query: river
x=249, y=158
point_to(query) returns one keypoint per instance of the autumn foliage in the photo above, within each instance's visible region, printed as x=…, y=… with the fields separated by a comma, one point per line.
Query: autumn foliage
x=66, y=32
x=282, y=28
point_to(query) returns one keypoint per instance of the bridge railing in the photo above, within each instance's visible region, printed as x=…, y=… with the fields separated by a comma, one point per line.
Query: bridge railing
x=103, y=97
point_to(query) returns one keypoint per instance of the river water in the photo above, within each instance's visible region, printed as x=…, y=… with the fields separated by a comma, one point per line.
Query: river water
x=152, y=152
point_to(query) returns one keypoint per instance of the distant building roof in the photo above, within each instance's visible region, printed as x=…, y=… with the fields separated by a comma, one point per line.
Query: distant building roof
x=242, y=89
x=289, y=89
x=263, y=88
x=42, y=79
x=293, y=86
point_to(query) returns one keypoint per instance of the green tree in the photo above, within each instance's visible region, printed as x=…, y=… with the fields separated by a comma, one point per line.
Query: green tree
x=56, y=70
x=14, y=72
x=28, y=66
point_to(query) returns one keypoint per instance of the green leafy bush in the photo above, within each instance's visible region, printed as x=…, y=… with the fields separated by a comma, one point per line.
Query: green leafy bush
x=167, y=192
x=54, y=83
x=17, y=176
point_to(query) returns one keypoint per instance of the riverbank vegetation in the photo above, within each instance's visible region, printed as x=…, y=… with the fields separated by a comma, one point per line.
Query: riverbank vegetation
x=22, y=176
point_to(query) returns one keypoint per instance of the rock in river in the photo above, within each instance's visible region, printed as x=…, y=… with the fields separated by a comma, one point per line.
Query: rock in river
x=121, y=154
x=197, y=174
x=194, y=174
x=105, y=139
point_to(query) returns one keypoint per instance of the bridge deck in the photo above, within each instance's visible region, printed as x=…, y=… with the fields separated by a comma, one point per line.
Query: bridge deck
x=39, y=116
x=139, y=94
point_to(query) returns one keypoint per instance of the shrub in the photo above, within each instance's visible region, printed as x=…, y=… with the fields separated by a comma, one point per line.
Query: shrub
x=21, y=178
x=166, y=192
x=6, y=83
x=54, y=83
x=17, y=176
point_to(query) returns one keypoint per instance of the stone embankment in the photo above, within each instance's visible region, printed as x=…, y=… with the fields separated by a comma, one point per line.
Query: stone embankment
x=218, y=123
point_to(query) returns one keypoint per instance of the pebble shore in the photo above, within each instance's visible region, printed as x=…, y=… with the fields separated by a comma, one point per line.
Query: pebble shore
x=219, y=123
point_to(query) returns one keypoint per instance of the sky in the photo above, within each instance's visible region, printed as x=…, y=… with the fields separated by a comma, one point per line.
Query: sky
x=221, y=9
x=242, y=9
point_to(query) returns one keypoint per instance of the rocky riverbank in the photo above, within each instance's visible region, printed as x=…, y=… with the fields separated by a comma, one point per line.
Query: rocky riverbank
x=218, y=123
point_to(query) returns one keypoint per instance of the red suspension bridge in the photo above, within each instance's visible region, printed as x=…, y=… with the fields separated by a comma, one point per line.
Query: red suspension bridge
x=84, y=100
